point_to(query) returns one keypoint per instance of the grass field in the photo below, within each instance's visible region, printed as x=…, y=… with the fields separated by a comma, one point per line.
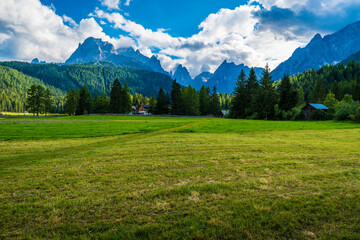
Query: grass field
x=178, y=178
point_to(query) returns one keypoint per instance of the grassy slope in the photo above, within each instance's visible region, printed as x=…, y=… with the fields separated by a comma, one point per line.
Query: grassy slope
x=169, y=184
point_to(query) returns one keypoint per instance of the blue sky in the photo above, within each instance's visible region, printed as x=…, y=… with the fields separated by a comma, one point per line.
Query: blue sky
x=199, y=34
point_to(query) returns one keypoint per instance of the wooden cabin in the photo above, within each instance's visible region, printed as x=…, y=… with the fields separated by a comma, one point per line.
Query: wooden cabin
x=311, y=107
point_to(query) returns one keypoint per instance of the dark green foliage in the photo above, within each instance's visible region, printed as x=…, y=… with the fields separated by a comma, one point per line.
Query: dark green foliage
x=125, y=100
x=13, y=91
x=101, y=104
x=240, y=100
x=161, y=106
x=177, y=104
x=338, y=79
x=115, y=97
x=191, y=101
x=36, y=99
x=48, y=102
x=31, y=99
x=347, y=108
x=84, y=101
x=152, y=105
x=71, y=101
x=331, y=102
x=288, y=97
x=204, y=101
x=214, y=103
x=98, y=78
x=265, y=98
x=319, y=94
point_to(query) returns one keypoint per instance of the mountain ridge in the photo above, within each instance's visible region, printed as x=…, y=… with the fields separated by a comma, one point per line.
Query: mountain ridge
x=330, y=49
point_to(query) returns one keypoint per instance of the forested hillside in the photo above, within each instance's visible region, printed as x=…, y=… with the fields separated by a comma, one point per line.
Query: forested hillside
x=339, y=79
x=13, y=87
x=98, y=78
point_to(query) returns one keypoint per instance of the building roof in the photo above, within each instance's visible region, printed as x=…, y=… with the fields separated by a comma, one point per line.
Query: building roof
x=318, y=106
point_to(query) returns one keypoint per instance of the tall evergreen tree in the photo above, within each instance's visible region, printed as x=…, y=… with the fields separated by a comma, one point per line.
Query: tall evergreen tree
x=71, y=102
x=39, y=99
x=191, y=101
x=125, y=100
x=152, y=105
x=31, y=99
x=320, y=91
x=301, y=98
x=288, y=96
x=177, y=104
x=214, y=103
x=48, y=101
x=161, y=105
x=240, y=99
x=83, y=105
x=265, y=98
x=251, y=87
x=204, y=101
x=115, y=97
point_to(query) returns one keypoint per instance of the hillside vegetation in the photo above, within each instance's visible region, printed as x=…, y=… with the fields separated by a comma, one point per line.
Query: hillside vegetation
x=13, y=87
x=98, y=77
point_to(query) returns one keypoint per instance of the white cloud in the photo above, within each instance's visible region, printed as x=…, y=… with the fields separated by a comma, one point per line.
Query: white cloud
x=127, y=3
x=111, y=4
x=227, y=34
x=29, y=30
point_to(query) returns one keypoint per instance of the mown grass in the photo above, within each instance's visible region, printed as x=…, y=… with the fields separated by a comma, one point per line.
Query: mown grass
x=169, y=184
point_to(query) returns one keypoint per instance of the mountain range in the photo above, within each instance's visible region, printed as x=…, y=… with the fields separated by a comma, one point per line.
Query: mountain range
x=331, y=49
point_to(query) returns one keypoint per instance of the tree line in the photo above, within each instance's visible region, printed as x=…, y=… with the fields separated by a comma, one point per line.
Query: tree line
x=284, y=100
x=39, y=100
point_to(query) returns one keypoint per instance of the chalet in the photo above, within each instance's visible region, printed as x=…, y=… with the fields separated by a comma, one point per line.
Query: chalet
x=142, y=109
x=311, y=107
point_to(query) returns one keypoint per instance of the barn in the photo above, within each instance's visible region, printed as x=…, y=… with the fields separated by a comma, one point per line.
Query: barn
x=311, y=107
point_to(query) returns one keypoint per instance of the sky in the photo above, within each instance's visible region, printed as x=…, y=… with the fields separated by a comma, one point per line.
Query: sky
x=199, y=34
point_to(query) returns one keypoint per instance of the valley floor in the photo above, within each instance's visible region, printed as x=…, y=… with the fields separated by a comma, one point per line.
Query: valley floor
x=178, y=178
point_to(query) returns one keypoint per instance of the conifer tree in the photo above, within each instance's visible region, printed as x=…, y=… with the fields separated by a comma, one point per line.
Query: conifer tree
x=240, y=100
x=71, y=102
x=288, y=96
x=214, y=103
x=83, y=105
x=319, y=92
x=48, y=101
x=204, y=101
x=161, y=105
x=177, y=104
x=126, y=103
x=152, y=105
x=115, y=97
x=191, y=101
x=251, y=87
x=265, y=98
x=31, y=99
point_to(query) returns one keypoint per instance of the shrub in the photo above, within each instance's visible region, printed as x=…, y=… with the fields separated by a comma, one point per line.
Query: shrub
x=345, y=110
x=357, y=114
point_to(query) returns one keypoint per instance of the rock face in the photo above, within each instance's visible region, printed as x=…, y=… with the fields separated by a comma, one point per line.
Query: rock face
x=182, y=76
x=96, y=50
x=202, y=79
x=331, y=49
x=225, y=77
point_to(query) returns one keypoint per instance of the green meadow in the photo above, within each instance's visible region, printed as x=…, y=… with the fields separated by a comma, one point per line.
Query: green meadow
x=108, y=177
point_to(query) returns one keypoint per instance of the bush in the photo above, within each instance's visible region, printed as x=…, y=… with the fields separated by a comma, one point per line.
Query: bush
x=357, y=114
x=345, y=110
x=295, y=114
